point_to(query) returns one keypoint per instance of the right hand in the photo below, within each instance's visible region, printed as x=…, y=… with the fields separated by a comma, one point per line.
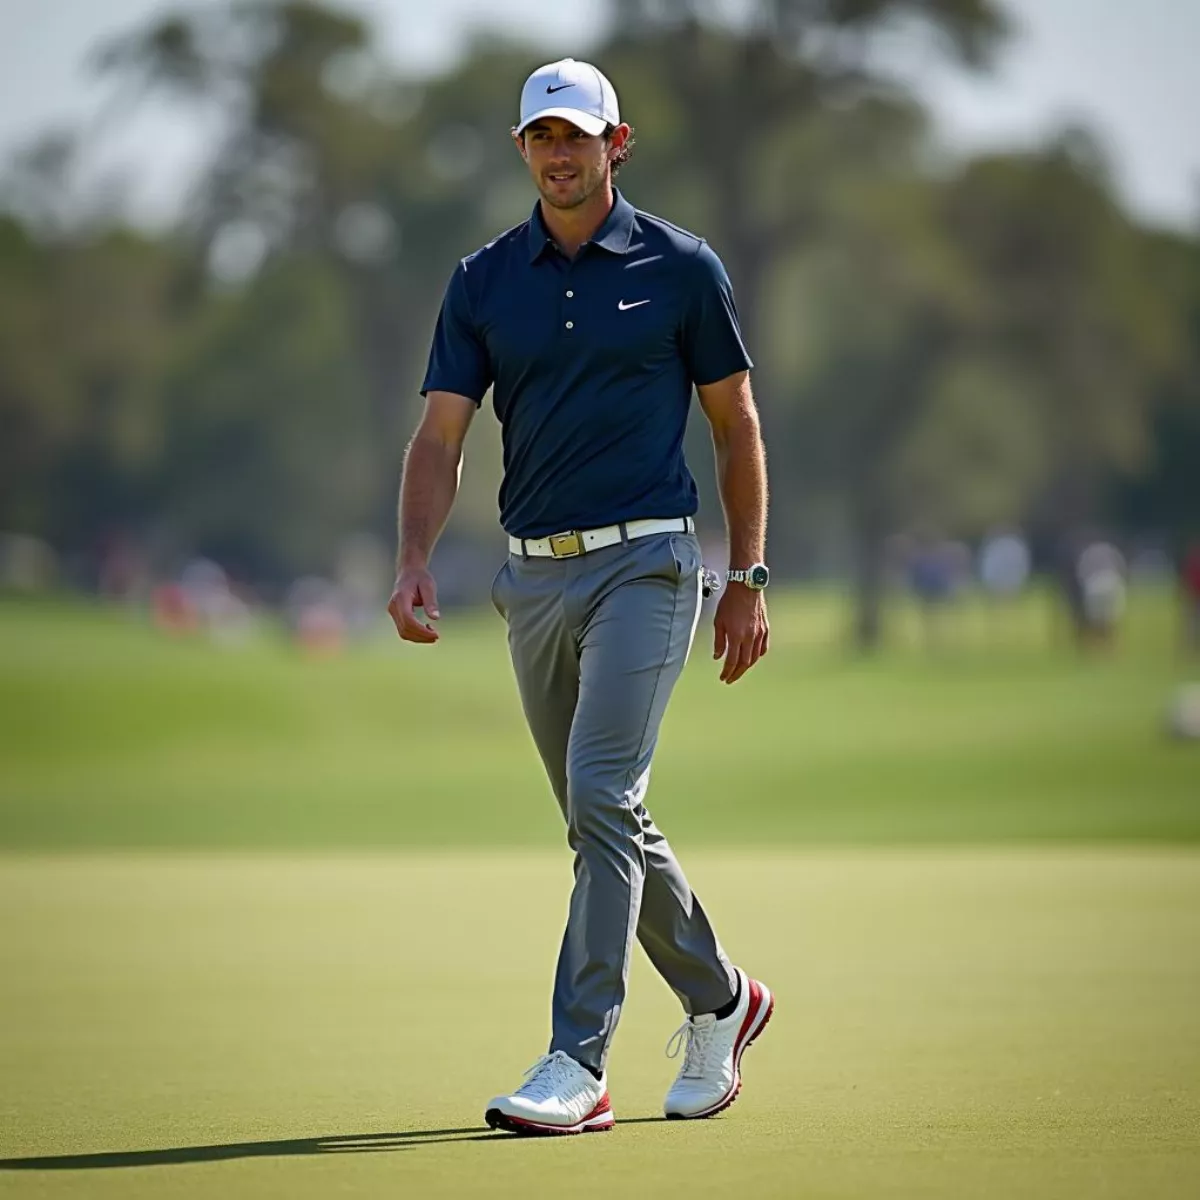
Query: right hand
x=415, y=588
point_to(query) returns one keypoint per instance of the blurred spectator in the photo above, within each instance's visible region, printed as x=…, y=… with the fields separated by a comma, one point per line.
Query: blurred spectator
x=1190, y=580
x=172, y=610
x=1101, y=573
x=124, y=572
x=202, y=600
x=1004, y=563
x=314, y=616
x=929, y=574
x=937, y=571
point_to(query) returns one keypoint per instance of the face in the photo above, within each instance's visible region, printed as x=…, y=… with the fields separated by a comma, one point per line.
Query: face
x=568, y=166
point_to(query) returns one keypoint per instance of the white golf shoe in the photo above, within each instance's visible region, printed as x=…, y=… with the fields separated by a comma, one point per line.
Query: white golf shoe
x=710, y=1078
x=558, y=1096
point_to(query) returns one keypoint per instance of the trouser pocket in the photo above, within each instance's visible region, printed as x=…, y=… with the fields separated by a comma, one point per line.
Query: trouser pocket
x=685, y=550
x=497, y=597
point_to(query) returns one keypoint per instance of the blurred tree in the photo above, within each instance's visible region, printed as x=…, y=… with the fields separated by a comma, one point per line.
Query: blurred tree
x=1077, y=303
x=267, y=448
x=1165, y=497
x=743, y=93
x=905, y=415
x=941, y=349
x=1075, y=296
x=83, y=328
x=305, y=147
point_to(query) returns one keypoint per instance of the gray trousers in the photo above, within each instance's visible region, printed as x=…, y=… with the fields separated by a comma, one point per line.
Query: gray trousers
x=597, y=644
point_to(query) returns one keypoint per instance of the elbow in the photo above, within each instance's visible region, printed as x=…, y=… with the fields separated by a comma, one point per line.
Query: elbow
x=428, y=447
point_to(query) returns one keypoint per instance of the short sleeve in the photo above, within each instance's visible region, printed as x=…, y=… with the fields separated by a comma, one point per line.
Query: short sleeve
x=712, y=339
x=458, y=359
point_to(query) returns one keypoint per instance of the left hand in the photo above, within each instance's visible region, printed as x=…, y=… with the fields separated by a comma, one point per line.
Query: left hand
x=741, y=630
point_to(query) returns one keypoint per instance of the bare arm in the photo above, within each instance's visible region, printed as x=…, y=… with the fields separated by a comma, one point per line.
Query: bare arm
x=741, y=465
x=740, y=627
x=432, y=466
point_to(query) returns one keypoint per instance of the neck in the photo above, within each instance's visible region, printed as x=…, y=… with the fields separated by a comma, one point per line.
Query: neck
x=571, y=227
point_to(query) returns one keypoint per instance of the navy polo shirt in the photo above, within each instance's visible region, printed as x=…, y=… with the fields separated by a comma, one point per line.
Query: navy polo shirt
x=591, y=362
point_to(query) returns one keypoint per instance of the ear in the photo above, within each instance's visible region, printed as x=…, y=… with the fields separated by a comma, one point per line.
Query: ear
x=520, y=141
x=617, y=139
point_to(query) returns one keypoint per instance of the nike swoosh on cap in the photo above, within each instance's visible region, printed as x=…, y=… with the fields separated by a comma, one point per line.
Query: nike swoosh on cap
x=551, y=90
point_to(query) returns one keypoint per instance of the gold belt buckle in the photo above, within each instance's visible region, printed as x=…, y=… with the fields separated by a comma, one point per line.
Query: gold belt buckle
x=566, y=545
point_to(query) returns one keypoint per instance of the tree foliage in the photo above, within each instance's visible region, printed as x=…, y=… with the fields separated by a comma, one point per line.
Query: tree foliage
x=997, y=341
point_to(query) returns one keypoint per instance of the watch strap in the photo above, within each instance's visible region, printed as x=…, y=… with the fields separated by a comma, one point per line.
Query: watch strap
x=747, y=576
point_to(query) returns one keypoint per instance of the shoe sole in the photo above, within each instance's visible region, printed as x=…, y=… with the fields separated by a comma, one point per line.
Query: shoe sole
x=594, y=1122
x=755, y=1027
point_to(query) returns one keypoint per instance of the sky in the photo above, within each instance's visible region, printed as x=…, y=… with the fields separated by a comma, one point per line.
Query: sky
x=1127, y=70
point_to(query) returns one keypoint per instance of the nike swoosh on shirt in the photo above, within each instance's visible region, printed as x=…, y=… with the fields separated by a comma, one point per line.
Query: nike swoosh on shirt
x=551, y=90
x=636, y=304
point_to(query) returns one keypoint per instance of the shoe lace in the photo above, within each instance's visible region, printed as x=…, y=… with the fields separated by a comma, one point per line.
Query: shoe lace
x=542, y=1080
x=694, y=1040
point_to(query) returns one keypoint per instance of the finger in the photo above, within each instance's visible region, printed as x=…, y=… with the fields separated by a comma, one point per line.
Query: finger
x=759, y=650
x=735, y=665
x=407, y=625
x=760, y=646
x=751, y=652
x=719, y=639
x=733, y=661
x=745, y=662
x=415, y=631
x=412, y=630
x=396, y=610
x=427, y=597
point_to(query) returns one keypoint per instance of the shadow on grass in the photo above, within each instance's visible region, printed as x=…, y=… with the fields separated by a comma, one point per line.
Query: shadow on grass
x=349, y=1143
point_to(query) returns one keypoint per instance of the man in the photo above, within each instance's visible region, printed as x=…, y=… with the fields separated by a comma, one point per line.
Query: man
x=591, y=322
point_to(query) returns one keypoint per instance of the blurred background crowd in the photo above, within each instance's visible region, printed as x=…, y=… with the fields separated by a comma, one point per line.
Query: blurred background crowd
x=976, y=367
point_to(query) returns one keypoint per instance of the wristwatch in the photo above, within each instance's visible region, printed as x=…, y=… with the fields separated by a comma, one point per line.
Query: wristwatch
x=755, y=577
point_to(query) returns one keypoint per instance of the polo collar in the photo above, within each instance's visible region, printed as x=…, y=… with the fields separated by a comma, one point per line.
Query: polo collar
x=615, y=235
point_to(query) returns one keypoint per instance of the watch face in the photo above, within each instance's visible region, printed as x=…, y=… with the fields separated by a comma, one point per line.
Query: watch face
x=759, y=576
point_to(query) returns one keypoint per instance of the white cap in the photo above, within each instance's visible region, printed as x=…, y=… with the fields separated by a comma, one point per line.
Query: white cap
x=575, y=91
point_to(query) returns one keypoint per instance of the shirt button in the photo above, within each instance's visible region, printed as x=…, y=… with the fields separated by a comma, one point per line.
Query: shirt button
x=570, y=295
x=570, y=324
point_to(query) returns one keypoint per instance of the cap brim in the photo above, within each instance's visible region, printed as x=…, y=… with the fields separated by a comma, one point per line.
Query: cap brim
x=593, y=126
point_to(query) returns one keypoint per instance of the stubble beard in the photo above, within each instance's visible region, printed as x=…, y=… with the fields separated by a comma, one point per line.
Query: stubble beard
x=587, y=186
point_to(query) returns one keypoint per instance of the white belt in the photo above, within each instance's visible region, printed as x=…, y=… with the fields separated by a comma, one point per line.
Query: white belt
x=579, y=541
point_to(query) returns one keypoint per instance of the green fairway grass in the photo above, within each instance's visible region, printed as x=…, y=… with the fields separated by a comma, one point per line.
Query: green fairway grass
x=970, y=873
x=112, y=735
x=950, y=1023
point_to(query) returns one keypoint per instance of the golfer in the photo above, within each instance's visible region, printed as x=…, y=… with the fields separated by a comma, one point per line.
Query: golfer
x=590, y=323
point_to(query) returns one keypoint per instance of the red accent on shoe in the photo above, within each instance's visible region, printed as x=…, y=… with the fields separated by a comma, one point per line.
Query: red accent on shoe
x=522, y=1125
x=756, y=992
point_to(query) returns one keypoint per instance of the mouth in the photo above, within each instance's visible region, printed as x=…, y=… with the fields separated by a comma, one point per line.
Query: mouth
x=560, y=176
